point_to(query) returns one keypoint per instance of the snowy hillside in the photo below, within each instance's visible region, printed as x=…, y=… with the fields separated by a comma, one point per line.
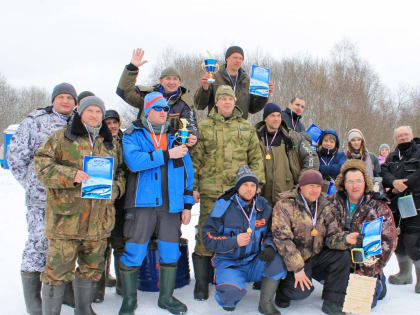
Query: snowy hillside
x=400, y=299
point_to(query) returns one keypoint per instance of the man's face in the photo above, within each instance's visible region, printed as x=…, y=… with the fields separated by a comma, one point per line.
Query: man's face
x=113, y=126
x=170, y=83
x=92, y=116
x=247, y=191
x=354, y=184
x=356, y=143
x=328, y=143
x=225, y=105
x=311, y=192
x=158, y=117
x=298, y=106
x=64, y=104
x=234, y=61
x=403, y=135
x=273, y=121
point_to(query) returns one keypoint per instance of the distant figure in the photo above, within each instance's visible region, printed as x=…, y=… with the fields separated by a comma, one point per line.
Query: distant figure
x=384, y=151
x=293, y=114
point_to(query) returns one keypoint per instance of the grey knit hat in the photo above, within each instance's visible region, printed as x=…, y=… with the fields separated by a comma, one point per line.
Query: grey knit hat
x=384, y=145
x=170, y=71
x=245, y=175
x=84, y=94
x=91, y=101
x=64, y=88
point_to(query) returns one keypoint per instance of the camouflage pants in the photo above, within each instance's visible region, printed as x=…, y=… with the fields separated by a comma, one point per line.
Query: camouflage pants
x=36, y=247
x=206, y=206
x=61, y=260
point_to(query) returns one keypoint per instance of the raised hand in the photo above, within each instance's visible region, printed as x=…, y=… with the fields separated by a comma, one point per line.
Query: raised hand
x=137, y=58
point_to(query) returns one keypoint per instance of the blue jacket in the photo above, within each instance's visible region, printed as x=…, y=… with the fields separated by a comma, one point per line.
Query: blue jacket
x=144, y=182
x=227, y=220
x=330, y=161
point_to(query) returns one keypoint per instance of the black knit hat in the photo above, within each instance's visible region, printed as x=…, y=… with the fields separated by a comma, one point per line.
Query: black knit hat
x=64, y=88
x=245, y=175
x=234, y=49
x=84, y=94
x=271, y=108
x=110, y=113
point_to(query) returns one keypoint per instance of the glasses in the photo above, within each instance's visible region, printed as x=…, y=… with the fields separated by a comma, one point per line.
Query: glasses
x=355, y=182
x=160, y=108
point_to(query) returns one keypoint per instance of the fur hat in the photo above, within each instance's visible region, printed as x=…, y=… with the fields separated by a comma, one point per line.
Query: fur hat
x=353, y=164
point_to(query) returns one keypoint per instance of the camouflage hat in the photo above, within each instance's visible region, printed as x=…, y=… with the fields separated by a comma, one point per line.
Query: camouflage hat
x=224, y=90
x=170, y=71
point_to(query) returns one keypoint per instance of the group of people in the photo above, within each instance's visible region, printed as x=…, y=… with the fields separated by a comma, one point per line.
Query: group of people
x=265, y=216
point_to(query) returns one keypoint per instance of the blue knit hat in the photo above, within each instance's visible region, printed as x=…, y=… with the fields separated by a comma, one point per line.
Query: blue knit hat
x=153, y=99
x=271, y=108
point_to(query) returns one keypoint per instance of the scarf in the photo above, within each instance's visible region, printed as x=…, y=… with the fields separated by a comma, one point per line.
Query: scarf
x=156, y=127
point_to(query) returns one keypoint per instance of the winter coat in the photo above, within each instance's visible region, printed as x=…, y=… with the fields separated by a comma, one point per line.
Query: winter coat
x=406, y=168
x=144, y=183
x=330, y=161
x=287, y=161
x=297, y=124
x=369, y=209
x=30, y=135
x=180, y=103
x=292, y=226
x=248, y=103
x=227, y=220
x=68, y=216
x=223, y=147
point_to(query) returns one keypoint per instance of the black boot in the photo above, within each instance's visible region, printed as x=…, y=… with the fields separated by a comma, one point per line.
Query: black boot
x=201, y=271
x=280, y=300
x=268, y=289
x=129, y=279
x=417, y=265
x=118, y=286
x=99, y=295
x=84, y=291
x=52, y=298
x=32, y=292
x=404, y=276
x=68, y=298
x=167, y=277
x=332, y=308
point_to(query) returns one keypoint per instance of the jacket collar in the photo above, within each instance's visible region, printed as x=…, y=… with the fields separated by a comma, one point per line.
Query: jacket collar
x=237, y=113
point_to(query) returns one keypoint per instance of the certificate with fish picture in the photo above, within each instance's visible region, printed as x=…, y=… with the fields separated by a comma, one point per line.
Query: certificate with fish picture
x=260, y=77
x=372, y=244
x=100, y=170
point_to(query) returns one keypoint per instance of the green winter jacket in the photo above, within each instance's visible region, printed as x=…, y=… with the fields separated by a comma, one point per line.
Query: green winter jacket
x=223, y=146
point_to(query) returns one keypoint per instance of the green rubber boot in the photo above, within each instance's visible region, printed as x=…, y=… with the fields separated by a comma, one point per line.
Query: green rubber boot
x=405, y=275
x=129, y=287
x=268, y=289
x=417, y=265
x=31, y=284
x=167, y=277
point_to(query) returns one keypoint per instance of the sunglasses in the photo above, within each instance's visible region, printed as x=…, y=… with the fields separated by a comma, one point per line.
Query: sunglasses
x=159, y=108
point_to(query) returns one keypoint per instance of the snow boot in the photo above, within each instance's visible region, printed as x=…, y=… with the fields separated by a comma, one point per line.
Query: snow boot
x=84, y=291
x=268, y=289
x=31, y=284
x=280, y=300
x=129, y=289
x=52, y=298
x=404, y=276
x=417, y=265
x=68, y=298
x=202, y=278
x=167, y=277
x=332, y=308
x=99, y=295
x=118, y=286
x=229, y=308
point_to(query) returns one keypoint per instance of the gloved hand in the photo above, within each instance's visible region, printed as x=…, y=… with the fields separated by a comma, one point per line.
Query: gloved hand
x=267, y=254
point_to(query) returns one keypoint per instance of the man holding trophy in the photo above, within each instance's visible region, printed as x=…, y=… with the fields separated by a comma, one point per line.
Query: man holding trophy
x=233, y=75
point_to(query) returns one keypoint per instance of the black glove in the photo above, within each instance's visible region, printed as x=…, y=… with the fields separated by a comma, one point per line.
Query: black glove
x=267, y=254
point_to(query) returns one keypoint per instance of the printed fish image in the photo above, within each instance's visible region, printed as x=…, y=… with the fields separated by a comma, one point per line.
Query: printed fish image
x=96, y=191
x=372, y=248
x=259, y=89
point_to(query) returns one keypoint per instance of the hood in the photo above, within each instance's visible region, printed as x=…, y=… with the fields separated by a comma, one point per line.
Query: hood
x=357, y=164
x=329, y=131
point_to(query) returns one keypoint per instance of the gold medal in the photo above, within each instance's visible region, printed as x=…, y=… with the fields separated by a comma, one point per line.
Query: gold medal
x=314, y=232
x=268, y=156
x=249, y=230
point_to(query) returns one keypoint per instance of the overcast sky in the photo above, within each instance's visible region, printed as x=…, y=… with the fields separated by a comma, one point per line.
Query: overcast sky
x=87, y=43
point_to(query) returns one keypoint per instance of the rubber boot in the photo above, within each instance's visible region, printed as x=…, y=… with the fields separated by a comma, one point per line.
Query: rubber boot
x=68, y=298
x=268, y=289
x=118, y=286
x=201, y=270
x=52, y=298
x=405, y=275
x=84, y=291
x=32, y=292
x=129, y=288
x=332, y=308
x=167, y=277
x=99, y=295
x=417, y=265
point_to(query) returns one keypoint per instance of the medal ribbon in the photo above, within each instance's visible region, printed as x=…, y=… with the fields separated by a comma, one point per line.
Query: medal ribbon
x=327, y=164
x=348, y=216
x=231, y=81
x=266, y=141
x=314, y=217
x=154, y=135
x=244, y=212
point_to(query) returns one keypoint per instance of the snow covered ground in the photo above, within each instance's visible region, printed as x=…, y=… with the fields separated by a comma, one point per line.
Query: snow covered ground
x=400, y=299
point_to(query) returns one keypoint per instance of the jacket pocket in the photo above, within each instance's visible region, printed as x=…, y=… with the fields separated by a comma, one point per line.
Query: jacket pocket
x=66, y=219
x=108, y=218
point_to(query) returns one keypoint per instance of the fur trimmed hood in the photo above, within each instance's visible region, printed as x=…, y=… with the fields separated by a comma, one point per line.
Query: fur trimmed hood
x=354, y=164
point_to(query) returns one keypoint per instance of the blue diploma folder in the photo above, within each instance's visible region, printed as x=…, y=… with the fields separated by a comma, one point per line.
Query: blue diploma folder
x=259, y=81
x=100, y=170
x=372, y=244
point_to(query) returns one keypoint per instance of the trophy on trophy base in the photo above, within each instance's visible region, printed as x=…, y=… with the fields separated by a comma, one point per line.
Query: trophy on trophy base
x=211, y=67
x=183, y=133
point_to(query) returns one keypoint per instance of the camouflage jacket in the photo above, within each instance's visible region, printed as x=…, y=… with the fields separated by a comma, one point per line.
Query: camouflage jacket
x=32, y=132
x=292, y=226
x=68, y=216
x=181, y=104
x=369, y=209
x=224, y=146
x=248, y=103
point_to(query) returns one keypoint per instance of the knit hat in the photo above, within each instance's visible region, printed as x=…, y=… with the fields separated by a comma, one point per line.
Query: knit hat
x=245, y=175
x=271, y=108
x=224, y=90
x=384, y=145
x=354, y=133
x=170, y=71
x=353, y=164
x=110, y=113
x=153, y=99
x=64, y=88
x=91, y=101
x=84, y=94
x=234, y=49
x=310, y=177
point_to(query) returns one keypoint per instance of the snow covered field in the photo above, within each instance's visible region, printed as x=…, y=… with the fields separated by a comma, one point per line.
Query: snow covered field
x=399, y=300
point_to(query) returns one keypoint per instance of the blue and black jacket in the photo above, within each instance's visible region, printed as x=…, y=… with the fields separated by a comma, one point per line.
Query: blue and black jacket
x=144, y=182
x=330, y=161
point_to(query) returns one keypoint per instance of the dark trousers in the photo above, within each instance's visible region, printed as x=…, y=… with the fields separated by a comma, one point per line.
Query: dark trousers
x=332, y=266
x=409, y=244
